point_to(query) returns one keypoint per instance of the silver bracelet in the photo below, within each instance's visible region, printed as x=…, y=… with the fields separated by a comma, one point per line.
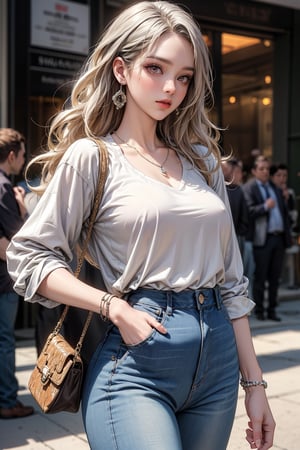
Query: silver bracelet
x=104, y=306
x=248, y=383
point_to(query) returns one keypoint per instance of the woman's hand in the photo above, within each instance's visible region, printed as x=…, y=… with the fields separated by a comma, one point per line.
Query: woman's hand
x=135, y=326
x=260, y=433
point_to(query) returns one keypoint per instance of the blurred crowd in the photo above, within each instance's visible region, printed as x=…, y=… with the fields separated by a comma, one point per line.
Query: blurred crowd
x=265, y=217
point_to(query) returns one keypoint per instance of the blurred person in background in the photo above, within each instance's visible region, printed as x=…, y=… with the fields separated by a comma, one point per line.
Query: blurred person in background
x=12, y=215
x=279, y=176
x=270, y=236
x=233, y=174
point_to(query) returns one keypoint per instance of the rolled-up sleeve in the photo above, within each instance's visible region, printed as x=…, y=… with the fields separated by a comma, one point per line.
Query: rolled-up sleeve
x=47, y=240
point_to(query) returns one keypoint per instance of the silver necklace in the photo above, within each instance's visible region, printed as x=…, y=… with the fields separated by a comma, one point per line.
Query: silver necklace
x=161, y=166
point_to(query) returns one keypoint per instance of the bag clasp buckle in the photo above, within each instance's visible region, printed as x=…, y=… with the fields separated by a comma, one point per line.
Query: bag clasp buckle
x=45, y=374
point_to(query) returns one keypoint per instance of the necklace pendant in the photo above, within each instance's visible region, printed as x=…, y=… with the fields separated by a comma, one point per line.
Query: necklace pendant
x=163, y=171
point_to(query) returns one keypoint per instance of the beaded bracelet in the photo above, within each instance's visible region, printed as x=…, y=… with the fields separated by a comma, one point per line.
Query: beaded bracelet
x=248, y=383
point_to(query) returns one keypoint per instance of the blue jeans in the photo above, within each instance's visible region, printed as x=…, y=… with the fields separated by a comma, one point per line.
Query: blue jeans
x=8, y=381
x=170, y=392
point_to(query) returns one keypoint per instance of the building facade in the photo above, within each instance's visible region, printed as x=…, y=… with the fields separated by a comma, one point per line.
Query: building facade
x=254, y=47
x=255, y=53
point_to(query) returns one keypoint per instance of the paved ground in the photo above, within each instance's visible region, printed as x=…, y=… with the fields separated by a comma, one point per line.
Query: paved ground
x=278, y=348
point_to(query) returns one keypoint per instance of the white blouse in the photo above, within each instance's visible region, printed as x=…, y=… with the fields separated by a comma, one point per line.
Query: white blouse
x=146, y=233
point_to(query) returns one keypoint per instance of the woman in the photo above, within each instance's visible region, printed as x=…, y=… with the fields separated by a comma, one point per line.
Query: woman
x=166, y=376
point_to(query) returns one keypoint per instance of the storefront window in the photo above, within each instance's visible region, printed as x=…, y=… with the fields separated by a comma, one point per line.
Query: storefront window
x=41, y=109
x=247, y=95
x=213, y=107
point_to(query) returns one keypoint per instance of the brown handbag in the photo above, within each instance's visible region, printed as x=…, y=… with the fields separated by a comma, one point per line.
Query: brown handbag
x=56, y=380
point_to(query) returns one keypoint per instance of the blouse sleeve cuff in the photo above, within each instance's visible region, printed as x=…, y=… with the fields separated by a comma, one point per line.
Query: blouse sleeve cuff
x=43, y=269
x=239, y=306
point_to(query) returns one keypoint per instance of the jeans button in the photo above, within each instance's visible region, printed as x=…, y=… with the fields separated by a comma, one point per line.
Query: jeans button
x=201, y=299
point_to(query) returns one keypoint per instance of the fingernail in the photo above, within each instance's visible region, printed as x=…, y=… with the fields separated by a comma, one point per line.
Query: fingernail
x=257, y=443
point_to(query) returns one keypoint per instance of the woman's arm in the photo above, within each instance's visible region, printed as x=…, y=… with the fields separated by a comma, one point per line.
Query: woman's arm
x=261, y=426
x=61, y=286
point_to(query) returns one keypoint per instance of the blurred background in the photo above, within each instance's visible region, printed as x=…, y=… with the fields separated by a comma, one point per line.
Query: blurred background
x=254, y=48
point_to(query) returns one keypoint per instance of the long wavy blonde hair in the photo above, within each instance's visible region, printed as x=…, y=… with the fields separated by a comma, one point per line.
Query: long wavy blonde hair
x=91, y=112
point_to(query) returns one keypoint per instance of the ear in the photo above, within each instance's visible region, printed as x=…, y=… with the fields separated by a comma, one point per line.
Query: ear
x=119, y=70
x=11, y=156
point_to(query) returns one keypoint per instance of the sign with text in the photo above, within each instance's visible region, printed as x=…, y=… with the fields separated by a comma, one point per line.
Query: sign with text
x=60, y=25
x=53, y=71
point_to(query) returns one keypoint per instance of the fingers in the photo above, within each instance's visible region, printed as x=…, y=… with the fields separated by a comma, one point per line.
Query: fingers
x=161, y=328
x=258, y=437
x=19, y=190
x=254, y=443
x=158, y=326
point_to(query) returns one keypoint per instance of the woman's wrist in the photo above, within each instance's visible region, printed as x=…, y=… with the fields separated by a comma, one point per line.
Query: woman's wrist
x=104, y=306
x=116, y=309
x=248, y=384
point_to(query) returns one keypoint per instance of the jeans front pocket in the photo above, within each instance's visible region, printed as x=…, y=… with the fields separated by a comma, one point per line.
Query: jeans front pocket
x=157, y=312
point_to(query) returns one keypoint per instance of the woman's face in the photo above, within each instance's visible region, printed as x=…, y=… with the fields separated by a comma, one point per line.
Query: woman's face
x=158, y=81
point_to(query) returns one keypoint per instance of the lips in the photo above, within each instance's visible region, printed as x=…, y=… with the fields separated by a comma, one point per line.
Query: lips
x=164, y=103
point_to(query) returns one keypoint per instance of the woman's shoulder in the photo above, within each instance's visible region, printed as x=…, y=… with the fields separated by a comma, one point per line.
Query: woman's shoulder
x=83, y=153
x=82, y=157
x=200, y=149
x=209, y=157
x=81, y=148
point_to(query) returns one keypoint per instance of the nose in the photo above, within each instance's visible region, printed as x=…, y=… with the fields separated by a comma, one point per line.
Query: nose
x=169, y=86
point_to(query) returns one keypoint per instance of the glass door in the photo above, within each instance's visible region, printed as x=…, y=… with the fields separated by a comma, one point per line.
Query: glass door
x=247, y=95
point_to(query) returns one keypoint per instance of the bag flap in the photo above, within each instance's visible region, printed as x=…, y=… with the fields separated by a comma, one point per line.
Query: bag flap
x=55, y=359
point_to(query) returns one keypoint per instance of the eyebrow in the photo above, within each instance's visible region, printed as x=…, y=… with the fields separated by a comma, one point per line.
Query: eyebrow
x=192, y=69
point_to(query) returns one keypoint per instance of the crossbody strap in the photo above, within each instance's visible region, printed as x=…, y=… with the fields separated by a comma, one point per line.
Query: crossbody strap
x=103, y=169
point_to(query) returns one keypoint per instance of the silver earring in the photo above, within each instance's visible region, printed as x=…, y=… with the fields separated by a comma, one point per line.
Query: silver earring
x=177, y=112
x=119, y=98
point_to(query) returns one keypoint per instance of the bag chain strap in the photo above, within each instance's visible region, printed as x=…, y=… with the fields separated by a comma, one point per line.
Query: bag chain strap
x=103, y=169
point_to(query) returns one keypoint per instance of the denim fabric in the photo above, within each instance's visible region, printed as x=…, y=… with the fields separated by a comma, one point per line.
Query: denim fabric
x=170, y=392
x=8, y=382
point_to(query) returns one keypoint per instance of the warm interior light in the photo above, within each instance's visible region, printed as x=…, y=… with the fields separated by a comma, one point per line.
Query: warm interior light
x=268, y=79
x=266, y=101
x=232, y=99
x=231, y=42
x=267, y=43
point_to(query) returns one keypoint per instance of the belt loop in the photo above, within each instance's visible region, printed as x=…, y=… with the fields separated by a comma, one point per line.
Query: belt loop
x=169, y=303
x=218, y=298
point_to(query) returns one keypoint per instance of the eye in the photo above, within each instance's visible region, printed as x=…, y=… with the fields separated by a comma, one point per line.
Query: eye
x=185, y=79
x=153, y=68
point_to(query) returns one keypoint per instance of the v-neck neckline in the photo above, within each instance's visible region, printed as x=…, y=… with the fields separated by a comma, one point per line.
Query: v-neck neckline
x=180, y=183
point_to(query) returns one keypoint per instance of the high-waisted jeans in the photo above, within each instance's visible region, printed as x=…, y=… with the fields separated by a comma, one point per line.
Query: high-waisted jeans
x=170, y=392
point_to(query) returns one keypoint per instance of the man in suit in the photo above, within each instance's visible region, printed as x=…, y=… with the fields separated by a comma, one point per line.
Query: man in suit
x=270, y=234
x=233, y=171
